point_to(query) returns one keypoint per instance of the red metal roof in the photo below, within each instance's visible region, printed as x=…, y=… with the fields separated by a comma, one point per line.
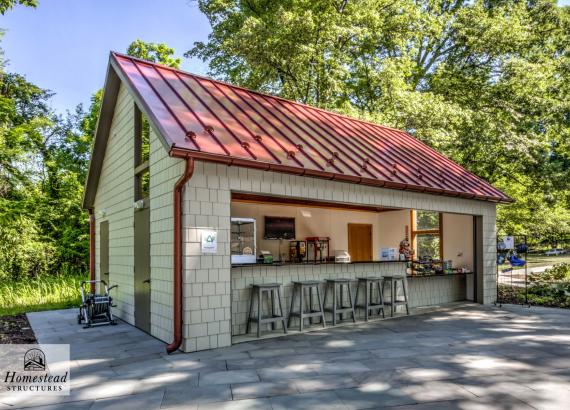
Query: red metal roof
x=219, y=122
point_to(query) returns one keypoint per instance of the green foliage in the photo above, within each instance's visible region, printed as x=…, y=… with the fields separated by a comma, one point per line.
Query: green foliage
x=155, y=52
x=548, y=288
x=43, y=166
x=43, y=293
x=43, y=163
x=551, y=287
x=486, y=83
x=558, y=273
x=6, y=5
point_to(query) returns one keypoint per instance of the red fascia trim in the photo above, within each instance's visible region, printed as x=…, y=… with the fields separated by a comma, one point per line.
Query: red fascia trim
x=183, y=153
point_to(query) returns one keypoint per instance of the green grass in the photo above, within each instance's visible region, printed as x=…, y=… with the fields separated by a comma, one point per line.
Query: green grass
x=43, y=293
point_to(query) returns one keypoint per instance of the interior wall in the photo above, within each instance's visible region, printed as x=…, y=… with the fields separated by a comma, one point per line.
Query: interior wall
x=458, y=239
x=309, y=221
x=392, y=228
x=388, y=228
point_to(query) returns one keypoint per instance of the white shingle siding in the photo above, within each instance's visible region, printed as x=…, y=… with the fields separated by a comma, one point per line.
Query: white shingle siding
x=114, y=198
x=211, y=186
x=164, y=172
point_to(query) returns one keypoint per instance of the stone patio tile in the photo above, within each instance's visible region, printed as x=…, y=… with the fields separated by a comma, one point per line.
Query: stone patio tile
x=188, y=363
x=180, y=396
x=393, y=352
x=262, y=389
x=376, y=377
x=324, y=383
x=229, y=377
x=429, y=374
x=81, y=378
x=142, y=401
x=80, y=394
x=161, y=381
x=249, y=404
x=249, y=364
x=342, y=367
x=435, y=391
x=143, y=368
x=477, y=403
x=76, y=405
x=350, y=355
x=548, y=394
x=271, y=353
x=503, y=355
x=373, y=395
x=287, y=372
x=379, y=364
x=314, y=401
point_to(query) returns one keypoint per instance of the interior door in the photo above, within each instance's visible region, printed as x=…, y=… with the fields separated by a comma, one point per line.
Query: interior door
x=360, y=242
x=142, y=269
x=104, y=251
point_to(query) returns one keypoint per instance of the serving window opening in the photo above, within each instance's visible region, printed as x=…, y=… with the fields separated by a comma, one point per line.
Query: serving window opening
x=284, y=230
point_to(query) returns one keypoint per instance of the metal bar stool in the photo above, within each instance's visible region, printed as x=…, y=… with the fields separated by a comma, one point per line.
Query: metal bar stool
x=299, y=290
x=257, y=291
x=369, y=304
x=394, y=301
x=333, y=285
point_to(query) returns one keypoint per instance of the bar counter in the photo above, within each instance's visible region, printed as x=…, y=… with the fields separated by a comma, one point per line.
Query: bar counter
x=450, y=288
x=277, y=263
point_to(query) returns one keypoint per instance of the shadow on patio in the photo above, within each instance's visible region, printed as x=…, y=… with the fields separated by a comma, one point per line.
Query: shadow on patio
x=464, y=357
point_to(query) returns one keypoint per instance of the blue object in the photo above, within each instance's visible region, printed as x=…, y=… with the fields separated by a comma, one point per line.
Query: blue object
x=516, y=261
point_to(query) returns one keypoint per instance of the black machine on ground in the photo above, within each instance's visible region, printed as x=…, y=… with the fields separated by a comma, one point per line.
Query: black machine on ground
x=95, y=309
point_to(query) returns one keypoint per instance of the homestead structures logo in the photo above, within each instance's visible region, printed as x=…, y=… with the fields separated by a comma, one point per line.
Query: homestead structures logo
x=34, y=360
x=34, y=370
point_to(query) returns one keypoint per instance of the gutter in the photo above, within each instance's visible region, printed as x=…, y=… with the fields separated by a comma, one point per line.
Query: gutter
x=247, y=163
x=177, y=302
x=92, y=248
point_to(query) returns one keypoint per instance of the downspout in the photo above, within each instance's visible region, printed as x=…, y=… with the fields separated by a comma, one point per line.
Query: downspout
x=92, y=248
x=177, y=302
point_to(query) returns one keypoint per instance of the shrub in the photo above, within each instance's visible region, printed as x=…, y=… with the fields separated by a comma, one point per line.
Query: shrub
x=551, y=287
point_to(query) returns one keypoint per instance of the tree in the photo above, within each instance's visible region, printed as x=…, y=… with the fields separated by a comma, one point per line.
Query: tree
x=155, y=52
x=6, y=5
x=484, y=82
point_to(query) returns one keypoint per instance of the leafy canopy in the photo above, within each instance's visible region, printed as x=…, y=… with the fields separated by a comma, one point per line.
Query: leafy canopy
x=484, y=82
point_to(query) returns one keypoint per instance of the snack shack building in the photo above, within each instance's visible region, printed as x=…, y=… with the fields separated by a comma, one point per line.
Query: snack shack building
x=205, y=198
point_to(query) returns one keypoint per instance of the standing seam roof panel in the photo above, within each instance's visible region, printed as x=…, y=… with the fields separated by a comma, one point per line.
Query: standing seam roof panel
x=216, y=120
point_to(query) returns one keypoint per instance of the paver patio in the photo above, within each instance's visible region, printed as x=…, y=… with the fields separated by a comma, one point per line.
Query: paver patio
x=464, y=356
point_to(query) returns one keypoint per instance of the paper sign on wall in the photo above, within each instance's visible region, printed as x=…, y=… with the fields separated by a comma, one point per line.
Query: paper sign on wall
x=387, y=254
x=209, y=241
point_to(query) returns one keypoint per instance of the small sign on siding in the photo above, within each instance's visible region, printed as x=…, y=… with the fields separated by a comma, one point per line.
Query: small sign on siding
x=209, y=241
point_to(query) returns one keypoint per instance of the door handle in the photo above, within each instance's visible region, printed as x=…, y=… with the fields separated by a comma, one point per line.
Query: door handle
x=106, y=273
x=146, y=281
